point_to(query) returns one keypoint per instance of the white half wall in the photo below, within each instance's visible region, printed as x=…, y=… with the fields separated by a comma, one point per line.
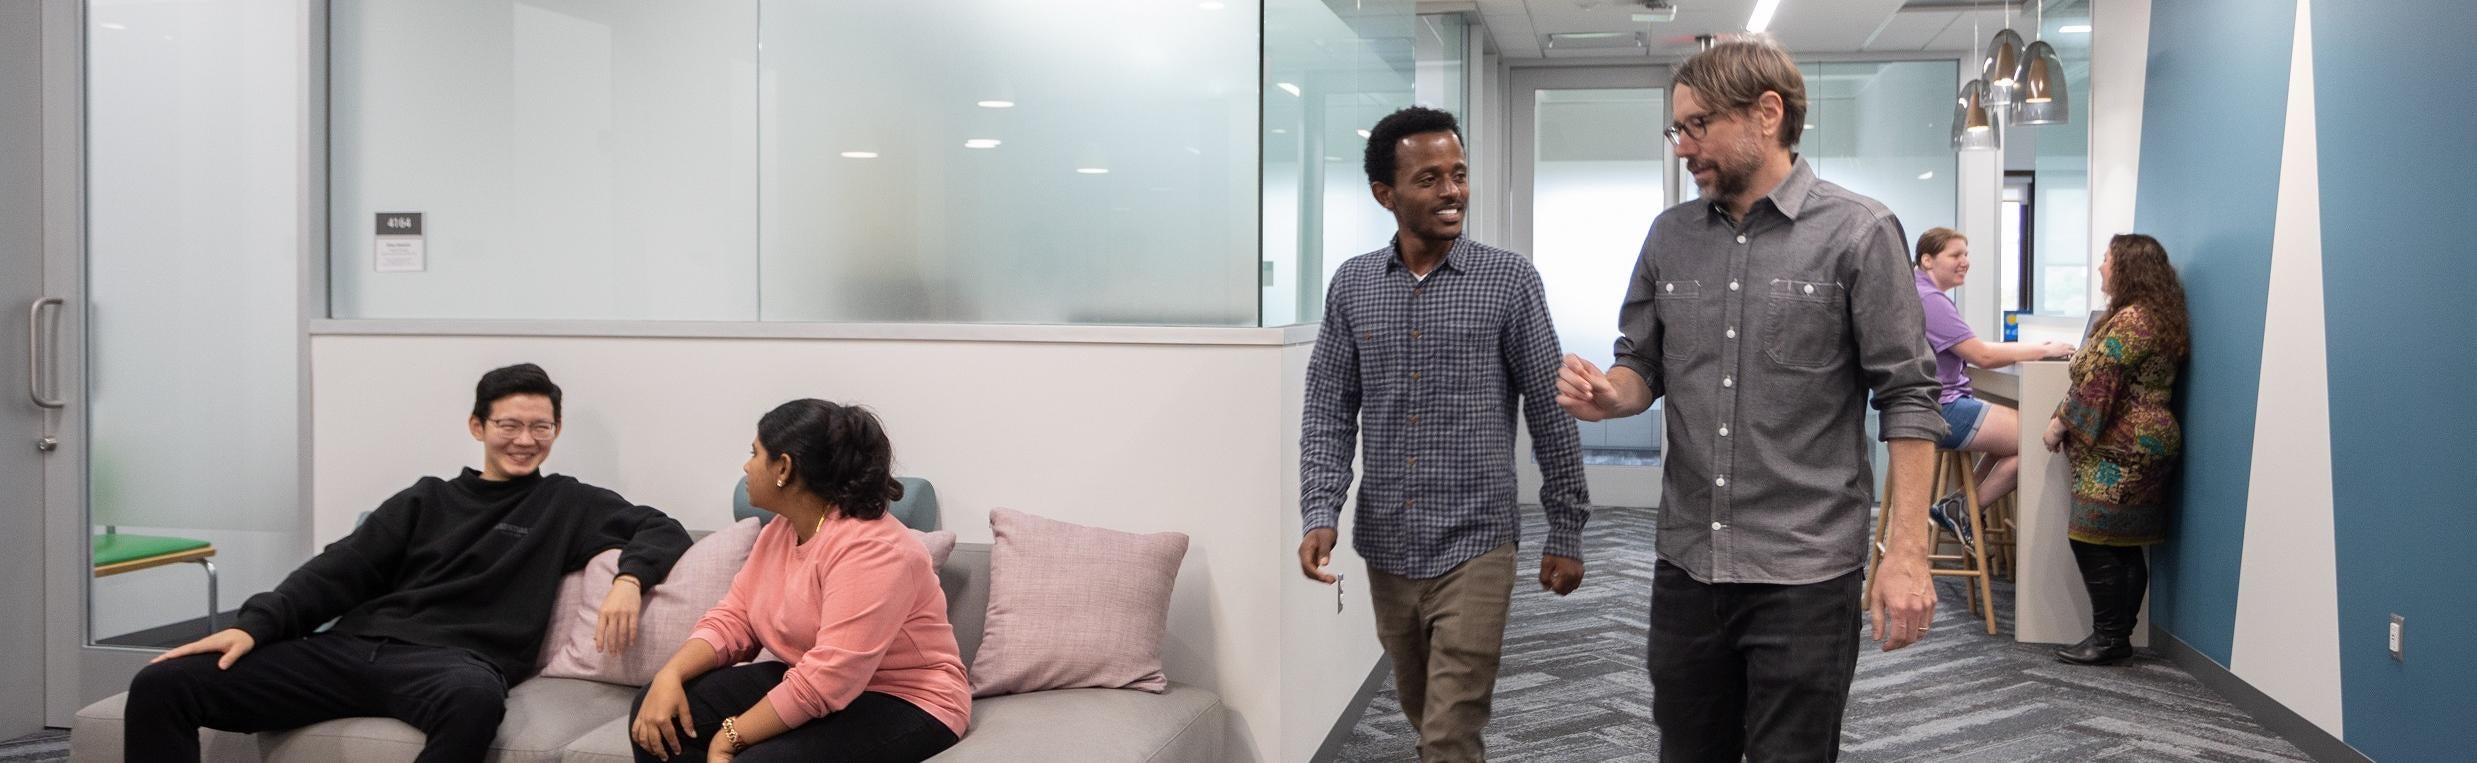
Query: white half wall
x=2287, y=610
x=2119, y=71
x=1200, y=439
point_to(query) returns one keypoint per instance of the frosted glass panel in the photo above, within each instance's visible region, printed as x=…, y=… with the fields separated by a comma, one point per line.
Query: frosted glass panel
x=1073, y=161
x=1332, y=68
x=1596, y=186
x=193, y=197
x=2063, y=165
x=581, y=160
x=1885, y=130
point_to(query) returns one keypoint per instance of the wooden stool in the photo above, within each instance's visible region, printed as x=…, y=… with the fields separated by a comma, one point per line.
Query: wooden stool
x=1952, y=467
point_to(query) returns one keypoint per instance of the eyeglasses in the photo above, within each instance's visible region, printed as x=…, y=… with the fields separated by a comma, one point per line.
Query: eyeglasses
x=1690, y=127
x=507, y=429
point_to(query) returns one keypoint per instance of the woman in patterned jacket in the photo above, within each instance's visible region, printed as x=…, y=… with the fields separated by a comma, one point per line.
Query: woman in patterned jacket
x=2122, y=439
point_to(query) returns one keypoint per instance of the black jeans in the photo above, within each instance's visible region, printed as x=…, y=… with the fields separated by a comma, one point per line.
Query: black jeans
x=874, y=728
x=454, y=697
x=1751, y=671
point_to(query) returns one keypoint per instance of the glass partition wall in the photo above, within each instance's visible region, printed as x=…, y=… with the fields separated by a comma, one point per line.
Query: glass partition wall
x=1128, y=162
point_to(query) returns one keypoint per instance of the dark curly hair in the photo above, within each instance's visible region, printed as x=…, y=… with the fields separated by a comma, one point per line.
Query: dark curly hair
x=2140, y=274
x=839, y=453
x=1385, y=139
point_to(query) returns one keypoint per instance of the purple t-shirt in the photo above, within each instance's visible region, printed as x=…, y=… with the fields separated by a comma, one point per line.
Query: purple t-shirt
x=1945, y=330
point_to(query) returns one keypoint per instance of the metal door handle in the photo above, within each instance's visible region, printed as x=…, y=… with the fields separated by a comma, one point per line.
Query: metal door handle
x=35, y=353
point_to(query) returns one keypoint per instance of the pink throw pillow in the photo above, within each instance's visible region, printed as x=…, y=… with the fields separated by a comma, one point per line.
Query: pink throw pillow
x=695, y=585
x=1073, y=606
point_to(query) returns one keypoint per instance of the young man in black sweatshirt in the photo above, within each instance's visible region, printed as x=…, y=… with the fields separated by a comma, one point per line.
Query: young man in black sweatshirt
x=440, y=599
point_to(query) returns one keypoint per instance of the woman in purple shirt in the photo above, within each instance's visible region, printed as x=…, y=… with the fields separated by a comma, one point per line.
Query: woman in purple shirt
x=1943, y=261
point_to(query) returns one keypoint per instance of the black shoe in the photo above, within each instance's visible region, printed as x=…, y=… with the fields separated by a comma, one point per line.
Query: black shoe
x=1947, y=514
x=2097, y=650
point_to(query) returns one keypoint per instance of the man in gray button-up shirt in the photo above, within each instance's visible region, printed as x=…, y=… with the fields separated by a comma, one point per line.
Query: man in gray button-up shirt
x=1766, y=312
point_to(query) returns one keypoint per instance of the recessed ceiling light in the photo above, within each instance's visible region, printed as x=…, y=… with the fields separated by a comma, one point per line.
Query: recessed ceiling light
x=997, y=104
x=2074, y=29
x=859, y=154
x=1810, y=127
x=1927, y=175
x=1092, y=170
x=1762, y=16
x=1366, y=134
x=1287, y=87
x=981, y=143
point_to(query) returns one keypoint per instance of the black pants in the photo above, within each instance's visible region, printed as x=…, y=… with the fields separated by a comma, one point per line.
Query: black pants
x=454, y=697
x=1751, y=671
x=2117, y=578
x=874, y=728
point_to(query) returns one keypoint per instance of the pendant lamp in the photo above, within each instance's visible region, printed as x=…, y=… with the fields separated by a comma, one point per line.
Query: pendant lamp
x=2040, y=94
x=2003, y=62
x=1972, y=129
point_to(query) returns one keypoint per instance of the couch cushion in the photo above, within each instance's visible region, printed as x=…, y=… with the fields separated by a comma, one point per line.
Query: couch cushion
x=96, y=736
x=695, y=585
x=965, y=576
x=1108, y=725
x=1072, y=606
x=1183, y=723
x=544, y=715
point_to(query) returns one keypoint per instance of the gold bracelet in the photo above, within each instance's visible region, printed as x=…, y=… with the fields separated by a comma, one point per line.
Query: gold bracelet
x=731, y=732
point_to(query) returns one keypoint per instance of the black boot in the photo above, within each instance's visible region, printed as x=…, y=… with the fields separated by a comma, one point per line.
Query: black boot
x=2103, y=572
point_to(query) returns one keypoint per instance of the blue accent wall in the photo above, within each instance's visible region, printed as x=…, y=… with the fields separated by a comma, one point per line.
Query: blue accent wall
x=2213, y=116
x=2390, y=84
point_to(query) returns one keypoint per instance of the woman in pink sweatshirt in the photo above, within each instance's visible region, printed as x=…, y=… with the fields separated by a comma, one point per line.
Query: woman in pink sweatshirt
x=837, y=587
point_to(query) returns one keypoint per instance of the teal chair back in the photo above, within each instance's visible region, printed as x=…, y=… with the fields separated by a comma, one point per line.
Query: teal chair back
x=917, y=509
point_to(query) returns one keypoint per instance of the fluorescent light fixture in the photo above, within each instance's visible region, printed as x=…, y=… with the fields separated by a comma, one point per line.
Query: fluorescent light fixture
x=859, y=154
x=1366, y=134
x=113, y=26
x=981, y=143
x=1762, y=16
x=997, y=104
x=1092, y=170
x=1810, y=127
x=1927, y=175
x=2073, y=29
x=1287, y=87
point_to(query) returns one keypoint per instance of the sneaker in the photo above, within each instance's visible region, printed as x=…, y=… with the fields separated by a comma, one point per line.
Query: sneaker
x=1947, y=514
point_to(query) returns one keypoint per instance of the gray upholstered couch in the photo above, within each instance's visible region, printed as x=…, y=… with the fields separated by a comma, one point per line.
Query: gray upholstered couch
x=562, y=719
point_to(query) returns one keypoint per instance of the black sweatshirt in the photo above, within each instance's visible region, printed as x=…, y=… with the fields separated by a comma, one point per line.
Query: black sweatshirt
x=466, y=563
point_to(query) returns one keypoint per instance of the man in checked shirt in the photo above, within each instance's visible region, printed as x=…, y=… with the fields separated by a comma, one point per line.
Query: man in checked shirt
x=1429, y=344
x=1765, y=312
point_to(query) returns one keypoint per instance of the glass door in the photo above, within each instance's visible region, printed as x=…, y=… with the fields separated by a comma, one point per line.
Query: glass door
x=1589, y=173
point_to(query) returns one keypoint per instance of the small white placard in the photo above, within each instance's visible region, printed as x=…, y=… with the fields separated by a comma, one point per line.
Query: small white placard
x=399, y=246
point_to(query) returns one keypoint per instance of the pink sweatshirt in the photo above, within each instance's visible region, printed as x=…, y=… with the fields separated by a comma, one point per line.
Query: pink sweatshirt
x=856, y=608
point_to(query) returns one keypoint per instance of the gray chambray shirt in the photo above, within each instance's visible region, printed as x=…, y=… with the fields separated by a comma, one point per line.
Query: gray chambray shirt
x=1766, y=337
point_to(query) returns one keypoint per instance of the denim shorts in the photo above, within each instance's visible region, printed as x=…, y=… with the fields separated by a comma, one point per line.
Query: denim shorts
x=1963, y=415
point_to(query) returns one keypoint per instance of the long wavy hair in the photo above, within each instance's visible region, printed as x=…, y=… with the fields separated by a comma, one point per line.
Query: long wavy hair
x=2139, y=274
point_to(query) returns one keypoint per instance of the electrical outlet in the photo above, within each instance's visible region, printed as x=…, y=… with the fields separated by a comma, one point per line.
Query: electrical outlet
x=2399, y=625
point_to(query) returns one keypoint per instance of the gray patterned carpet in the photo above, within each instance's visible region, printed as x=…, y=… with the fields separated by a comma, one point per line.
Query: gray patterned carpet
x=46, y=745
x=1572, y=686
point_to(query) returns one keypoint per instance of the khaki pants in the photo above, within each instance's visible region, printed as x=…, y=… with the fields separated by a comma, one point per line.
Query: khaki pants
x=1445, y=635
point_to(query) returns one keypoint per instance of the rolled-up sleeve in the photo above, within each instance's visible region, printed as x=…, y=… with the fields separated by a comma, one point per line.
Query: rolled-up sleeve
x=1889, y=325
x=1638, y=338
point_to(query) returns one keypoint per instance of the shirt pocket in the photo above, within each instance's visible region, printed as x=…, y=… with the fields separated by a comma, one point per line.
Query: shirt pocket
x=1809, y=323
x=1684, y=317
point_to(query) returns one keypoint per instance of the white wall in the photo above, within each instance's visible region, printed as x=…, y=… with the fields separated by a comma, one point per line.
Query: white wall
x=1197, y=439
x=2119, y=64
